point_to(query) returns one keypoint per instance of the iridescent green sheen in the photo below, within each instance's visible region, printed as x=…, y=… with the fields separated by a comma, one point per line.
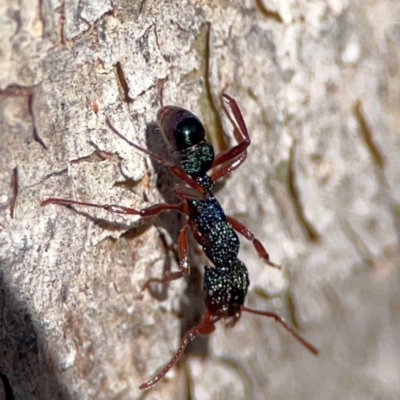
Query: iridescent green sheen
x=188, y=132
x=198, y=159
x=220, y=242
x=225, y=288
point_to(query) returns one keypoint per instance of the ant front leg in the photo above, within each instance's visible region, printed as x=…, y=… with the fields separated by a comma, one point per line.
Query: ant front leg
x=249, y=235
x=184, y=267
x=231, y=159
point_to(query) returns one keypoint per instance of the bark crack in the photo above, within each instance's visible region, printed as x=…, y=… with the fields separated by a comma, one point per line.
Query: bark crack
x=308, y=228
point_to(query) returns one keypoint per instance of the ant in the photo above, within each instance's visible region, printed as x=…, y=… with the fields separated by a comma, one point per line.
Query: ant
x=226, y=281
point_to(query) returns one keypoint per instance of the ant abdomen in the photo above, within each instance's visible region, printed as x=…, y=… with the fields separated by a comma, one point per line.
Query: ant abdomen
x=186, y=135
x=225, y=288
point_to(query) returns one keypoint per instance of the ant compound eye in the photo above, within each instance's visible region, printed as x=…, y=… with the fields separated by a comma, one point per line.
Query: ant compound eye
x=189, y=131
x=182, y=129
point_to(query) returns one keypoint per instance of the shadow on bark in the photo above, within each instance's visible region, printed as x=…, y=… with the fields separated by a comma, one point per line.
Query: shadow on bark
x=24, y=371
x=192, y=305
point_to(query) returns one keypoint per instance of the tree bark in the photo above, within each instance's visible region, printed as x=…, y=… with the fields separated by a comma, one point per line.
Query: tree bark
x=318, y=84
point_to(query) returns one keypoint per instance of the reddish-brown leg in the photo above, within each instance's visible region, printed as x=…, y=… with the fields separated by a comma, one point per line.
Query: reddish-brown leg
x=14, y=188
x=184, y=267
x=249, y=235
x=173, y=168
x=196, y=234
x=115, y=208
x=232, y=322
x=187, y=193
x=238, y=116
x=282, y=321
x=228, y=166
x=183, y=250
x=204, y=328
x=232, y=158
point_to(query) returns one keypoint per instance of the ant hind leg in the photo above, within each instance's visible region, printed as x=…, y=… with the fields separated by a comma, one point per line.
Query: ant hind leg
x=117, y=209
x=184, y=267
x=206, y=326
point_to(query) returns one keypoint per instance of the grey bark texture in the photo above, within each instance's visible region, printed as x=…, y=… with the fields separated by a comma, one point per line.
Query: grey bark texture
x=319, y=87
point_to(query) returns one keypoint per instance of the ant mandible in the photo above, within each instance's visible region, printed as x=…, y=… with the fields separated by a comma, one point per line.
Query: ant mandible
x=226, y=281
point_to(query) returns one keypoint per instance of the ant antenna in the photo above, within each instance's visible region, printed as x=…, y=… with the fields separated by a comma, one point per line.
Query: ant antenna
x=173, y=168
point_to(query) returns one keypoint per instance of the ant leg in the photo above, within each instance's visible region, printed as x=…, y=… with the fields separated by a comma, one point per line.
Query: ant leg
x=196, y=234
x=206, y=326
x=234, y=157
x=238, y=116
x=183, y=250
x=115, y=208
x=187, y=193
x=14, y=188
x=234, y=320
x=282, y=321
x=228, y=166
x=249, y=235
x=184, y=267
x=173, y=168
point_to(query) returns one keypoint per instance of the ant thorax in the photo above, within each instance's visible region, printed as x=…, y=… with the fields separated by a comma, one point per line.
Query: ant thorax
x=219, y=241
x=197, y=160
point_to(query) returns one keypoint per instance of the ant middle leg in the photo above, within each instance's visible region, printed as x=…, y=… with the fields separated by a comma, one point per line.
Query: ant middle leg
x=249, y=235
x=153, y=210
x=184, y=267
x=117, y=209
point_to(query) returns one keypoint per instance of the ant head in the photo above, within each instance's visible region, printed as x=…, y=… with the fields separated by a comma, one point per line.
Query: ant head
x=181, y=128
x=186, y=135
x=225, y=288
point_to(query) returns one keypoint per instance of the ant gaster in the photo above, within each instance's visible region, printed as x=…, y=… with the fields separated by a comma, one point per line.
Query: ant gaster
x=226, y=281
